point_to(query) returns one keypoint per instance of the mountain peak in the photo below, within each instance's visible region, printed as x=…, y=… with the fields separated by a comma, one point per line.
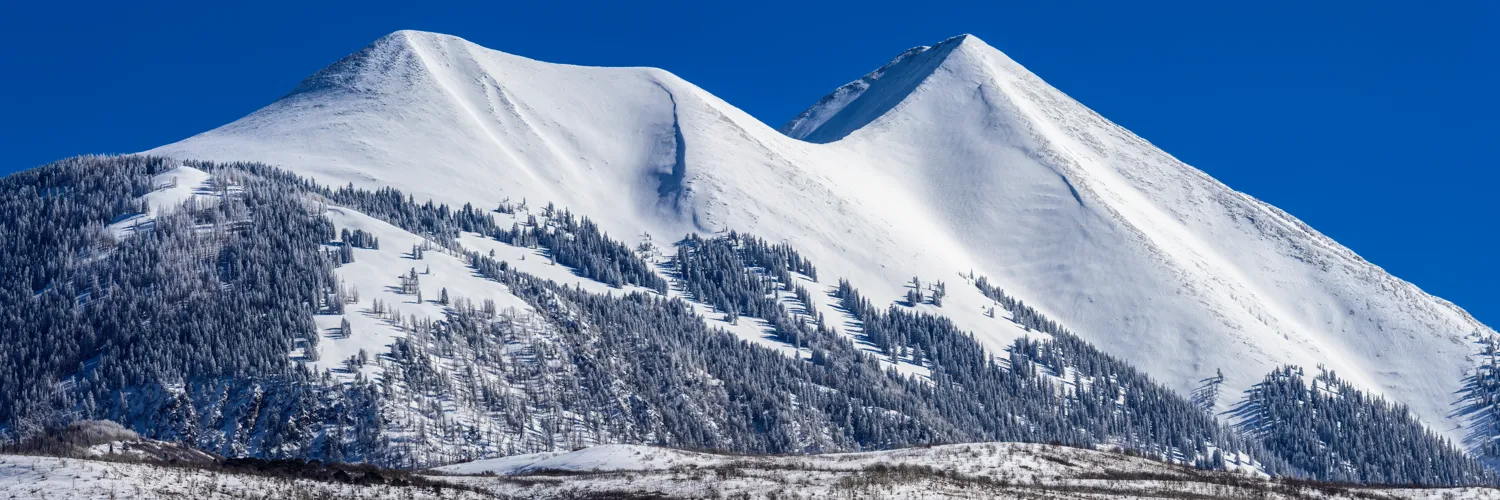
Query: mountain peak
x=408, y=39
x=392, y=55
x=962, y=39
x=395, y=61
x=856, y=104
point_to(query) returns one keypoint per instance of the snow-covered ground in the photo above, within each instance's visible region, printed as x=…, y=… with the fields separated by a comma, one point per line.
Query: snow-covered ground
x=39, y=478
x=978, y=470
x=951, y=160
x=604, y=458
x=999, y=460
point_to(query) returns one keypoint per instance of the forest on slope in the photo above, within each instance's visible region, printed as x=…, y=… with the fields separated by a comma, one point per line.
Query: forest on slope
x=187, y=326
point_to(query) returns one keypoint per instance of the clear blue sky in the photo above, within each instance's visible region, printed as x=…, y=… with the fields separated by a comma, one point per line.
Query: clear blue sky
x=1372, y=122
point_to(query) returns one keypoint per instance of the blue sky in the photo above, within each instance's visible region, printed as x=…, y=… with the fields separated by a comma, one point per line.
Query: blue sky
x=1373, y=122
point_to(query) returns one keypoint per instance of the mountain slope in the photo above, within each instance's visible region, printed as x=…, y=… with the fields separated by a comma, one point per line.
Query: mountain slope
x=1143, y=253
x=950, y=160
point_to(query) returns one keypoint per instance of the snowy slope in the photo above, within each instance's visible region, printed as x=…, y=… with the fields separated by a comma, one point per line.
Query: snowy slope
x=376, y=274
x=950, y=159
x=172, y=188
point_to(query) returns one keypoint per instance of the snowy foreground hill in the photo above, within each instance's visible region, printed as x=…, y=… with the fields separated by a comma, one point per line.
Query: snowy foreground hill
x=977, y=470
x=951, y=161
x=981, y=470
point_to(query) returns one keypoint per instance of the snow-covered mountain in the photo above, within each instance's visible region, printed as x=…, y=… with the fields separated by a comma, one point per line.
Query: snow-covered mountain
x=950, y=161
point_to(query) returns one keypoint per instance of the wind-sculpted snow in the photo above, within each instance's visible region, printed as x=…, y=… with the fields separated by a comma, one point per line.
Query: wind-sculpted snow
x=952, y=160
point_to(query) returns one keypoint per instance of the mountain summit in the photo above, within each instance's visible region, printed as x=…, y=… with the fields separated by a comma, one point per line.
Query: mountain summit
x=862, y=101
x=949, y=162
